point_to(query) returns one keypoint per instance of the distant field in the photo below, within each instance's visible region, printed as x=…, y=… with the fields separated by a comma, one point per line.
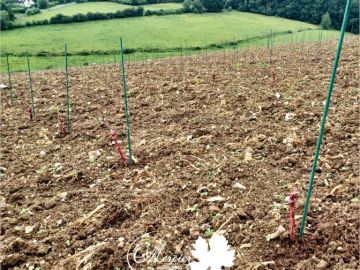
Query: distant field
x=101, y=38
x=83, y=8
x=152, y=31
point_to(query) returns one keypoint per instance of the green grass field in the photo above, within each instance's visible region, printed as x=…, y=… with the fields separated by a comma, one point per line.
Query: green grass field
x=156, y=31
x=165, y=32
x=83, y=8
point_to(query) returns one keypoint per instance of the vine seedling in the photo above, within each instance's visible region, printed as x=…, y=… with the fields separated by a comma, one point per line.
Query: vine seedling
x=30, y=114
x=117, y=146
x=62, y=131
x=293, y=196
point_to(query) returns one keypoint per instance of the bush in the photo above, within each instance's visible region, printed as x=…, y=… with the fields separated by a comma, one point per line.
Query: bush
x=90, y=16
x=32, y=11
x=5, y=22
x=53, y=4
x=79, y=18
x=162, y=12
x=42, y=4
x=6, y=16
x=6, y=8
x=213, y=5
x=194, y=6
x=198, y=7
x=17, y=10
x=232, y=4
x=59, y=18
x=325, y=21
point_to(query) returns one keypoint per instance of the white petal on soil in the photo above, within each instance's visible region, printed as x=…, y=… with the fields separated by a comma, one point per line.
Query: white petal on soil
x=216, y=199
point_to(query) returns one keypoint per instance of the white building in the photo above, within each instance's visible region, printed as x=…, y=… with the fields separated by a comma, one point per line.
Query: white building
x=25, y=3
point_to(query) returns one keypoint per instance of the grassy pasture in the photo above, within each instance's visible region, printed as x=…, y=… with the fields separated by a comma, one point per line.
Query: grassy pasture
x=168, y=33
x=83, y=8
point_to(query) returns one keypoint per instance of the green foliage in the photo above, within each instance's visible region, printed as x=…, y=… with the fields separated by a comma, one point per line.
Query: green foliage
x=96, y=7
x=32, y=11
x=213, y=5
x=18, y=9
x=42, y=4
x=6, y=15
x=193, y=6
x=53, y=3
x=6, y=7
x=209, y=232
x=306, y=10
x=161, y=12
x=231, y=4
x=90, y=16
x=353, y=24
x=325, y=21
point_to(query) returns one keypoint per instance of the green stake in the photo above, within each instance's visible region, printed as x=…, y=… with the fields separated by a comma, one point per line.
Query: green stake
x=67, y=93
x=9, y=76
x=326, y=108
x=31, y=89
x=130, y=161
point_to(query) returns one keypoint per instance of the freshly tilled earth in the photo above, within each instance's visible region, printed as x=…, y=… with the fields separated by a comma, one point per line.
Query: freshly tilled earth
x=220, y=140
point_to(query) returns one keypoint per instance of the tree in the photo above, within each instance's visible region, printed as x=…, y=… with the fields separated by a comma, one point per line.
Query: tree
x=325, y=21
x=6, y=7
x=197, y=6
x=42, y=4
x=187, y=5
x=231, y=4
x=7, y=16
x=213, y=5
x=194, y=6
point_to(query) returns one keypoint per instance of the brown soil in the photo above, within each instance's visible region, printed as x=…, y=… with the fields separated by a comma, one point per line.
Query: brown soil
x=193, y=122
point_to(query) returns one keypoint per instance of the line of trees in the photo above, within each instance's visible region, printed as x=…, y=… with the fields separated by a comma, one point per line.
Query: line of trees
x=95, y=16
x=312, y=11
x=327, y=13
x=7, y=16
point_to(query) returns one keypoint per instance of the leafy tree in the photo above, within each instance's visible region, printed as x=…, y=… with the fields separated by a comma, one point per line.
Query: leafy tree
x=231, y=4
x=213, y=5
x=194, y=6
x=42, y=4
x=325, y=21
x=198, y=7
x=6, y=7
x=187, y=5
x=6, y=16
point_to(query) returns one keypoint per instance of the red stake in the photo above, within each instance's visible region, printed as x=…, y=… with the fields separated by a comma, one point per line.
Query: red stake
x=30, y=114
x=293, y=196
x=274, y=76
x=117, y=146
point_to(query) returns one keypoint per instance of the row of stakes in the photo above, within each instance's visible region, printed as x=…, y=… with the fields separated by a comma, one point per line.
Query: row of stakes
x=67, y=130
x=129, y=161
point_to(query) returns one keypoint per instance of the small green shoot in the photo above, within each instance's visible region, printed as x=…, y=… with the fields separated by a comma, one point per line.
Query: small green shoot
x=209, y=232
x=193, y=209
